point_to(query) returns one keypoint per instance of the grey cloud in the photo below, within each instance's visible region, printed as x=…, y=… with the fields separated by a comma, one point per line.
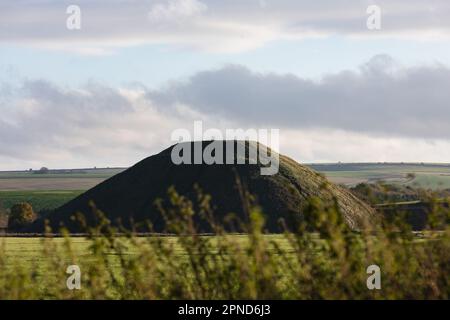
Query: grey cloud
x=380, y=98
x=40, y=116
x=45, y=124
x=61, y=108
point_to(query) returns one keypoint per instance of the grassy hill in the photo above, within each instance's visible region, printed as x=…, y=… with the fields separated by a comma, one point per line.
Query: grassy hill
x=131, y=194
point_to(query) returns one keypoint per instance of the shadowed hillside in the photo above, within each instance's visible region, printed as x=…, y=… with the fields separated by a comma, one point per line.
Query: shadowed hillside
x=132, y=193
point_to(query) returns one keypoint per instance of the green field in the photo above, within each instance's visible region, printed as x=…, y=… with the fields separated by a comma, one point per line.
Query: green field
x=40, y=200
x=429, y=176
x=49, y=191
x=253, y=266
x=29, y=250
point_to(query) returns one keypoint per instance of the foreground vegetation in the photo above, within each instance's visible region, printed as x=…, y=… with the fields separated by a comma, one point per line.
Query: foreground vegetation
x=320, y=258
x=381, y=193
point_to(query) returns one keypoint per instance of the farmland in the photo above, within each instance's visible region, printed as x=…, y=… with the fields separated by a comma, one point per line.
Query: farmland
x=79, y=179
x=51, y=190
x=48, y=191
x=433, y=176
x=40, y=200
x=427, y=176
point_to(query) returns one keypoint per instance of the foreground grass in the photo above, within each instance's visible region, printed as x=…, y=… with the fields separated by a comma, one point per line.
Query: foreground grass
x=329, y=263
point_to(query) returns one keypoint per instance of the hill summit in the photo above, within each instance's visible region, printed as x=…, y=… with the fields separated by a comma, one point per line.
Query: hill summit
x=131, y=194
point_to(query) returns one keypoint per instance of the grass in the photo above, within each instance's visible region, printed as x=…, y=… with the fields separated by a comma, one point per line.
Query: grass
x=28, y=250
x=431, y=181
x=321, y=258
x=428, y=176
x=40, y=200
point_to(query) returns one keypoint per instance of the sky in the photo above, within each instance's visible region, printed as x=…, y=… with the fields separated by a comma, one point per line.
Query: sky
x=105, y=83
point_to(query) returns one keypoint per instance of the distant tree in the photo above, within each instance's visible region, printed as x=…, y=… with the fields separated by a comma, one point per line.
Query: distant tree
x=21, y=215
x=43, y=170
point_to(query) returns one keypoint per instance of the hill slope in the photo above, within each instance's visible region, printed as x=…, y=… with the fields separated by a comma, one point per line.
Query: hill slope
x=131, y=194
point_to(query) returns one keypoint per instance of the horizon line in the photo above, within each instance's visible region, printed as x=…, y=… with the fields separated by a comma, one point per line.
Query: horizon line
x=302, y=163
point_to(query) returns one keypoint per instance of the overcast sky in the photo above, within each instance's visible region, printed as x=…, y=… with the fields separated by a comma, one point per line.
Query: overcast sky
x=111, y=93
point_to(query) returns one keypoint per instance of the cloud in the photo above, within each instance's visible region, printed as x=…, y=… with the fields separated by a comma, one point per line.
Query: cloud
x=175, y=10
x=45, y=124
x=213, y=25
x=381, y=98
x=381, y=112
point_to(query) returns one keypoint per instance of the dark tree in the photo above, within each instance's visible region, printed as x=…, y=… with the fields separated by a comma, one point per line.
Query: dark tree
x=22, y=214
x=43, y=170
